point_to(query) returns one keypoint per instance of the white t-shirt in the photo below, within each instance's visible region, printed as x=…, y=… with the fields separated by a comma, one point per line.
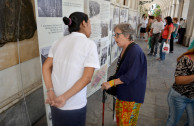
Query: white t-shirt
x=182, y=24
x=157, y=27
x=70, y=55
x=144, y=23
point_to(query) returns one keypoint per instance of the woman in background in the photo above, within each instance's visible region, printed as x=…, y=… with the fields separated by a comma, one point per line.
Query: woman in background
x=143, y=24
x=166, y=35
x=67, y=71
x=181, y=95
x=174, y=34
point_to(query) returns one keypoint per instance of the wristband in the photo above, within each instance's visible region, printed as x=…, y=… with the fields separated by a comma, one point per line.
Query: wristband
x=50, y=89
x=114, y=83
x=111, y=83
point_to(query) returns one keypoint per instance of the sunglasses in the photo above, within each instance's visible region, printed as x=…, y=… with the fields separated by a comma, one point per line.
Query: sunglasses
x=117, y=35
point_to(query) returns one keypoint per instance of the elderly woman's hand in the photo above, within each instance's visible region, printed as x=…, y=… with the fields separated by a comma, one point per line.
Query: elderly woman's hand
x=105, y=86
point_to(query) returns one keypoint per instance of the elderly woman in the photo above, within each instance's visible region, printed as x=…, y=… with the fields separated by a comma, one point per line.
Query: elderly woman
x=181, y=95
x=130, y=78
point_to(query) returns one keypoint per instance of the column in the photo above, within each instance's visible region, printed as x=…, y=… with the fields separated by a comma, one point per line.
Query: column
x=180, y=8
x=176, y=8
x=131, y=4
x=189, y=36
x=172, y=11
x=185, y=8
x=168, y=11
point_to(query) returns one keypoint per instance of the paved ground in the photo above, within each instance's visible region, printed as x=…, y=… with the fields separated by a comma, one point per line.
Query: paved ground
x=154, y=111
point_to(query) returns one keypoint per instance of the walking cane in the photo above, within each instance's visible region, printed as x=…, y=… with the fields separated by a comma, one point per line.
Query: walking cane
x=114, y=101
x=103, y=102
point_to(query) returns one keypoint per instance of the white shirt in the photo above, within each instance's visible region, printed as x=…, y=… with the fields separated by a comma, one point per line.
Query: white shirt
x=70, y=55
x=157, y=27
x=144, y=23
x=182, y=24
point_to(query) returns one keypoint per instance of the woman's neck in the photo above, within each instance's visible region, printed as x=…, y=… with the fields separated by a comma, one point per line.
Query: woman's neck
x=126, y=45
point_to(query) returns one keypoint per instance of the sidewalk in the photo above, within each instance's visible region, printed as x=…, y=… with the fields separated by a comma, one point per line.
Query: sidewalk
x=154, y=111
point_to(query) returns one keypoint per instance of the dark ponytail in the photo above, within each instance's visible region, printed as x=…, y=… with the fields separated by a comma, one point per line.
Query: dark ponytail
x=74, y=21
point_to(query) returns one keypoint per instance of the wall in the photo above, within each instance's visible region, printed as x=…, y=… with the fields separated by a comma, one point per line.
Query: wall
x=15, y=76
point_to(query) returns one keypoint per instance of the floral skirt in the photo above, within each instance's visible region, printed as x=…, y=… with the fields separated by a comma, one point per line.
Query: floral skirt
x=127, y=113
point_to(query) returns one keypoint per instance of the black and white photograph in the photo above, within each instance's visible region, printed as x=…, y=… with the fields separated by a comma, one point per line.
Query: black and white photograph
x=50, y=8
x=113, y=43
x=104, y=30
x=98, y=46
x=103, y=56
x=109, y=50
x=44, y=53
x=123, y=13
x=130, y=17
x=116, y=13
x=110, y=25
x=94, y=8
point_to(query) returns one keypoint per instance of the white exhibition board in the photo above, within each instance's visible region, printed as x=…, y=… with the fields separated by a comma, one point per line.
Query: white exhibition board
x=99, y=14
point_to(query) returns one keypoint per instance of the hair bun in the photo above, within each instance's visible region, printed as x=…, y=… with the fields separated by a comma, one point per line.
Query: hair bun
x=66, y=20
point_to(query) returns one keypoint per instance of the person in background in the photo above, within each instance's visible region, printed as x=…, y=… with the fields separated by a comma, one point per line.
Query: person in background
x=139, y=25
x=174, y=34
x=143, y=24
x=156, y=30
x=67, y=71
x=182, y=30
x=166, y=35
x=149, y=25
x=181, y=94
x=130, y=78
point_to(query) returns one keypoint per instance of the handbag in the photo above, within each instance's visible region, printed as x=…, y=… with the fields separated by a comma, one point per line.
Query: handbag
x=160, y=39
x=165, y=48
x=113, y=90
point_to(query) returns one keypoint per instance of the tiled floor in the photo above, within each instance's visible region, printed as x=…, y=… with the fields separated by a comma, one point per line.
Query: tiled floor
x=154, y=111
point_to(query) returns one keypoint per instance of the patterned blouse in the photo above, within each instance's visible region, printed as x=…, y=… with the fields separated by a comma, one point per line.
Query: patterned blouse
x=185, y=66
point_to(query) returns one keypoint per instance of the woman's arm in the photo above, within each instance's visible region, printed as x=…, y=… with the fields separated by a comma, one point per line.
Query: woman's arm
x=184, y=79
x=169, y=34
x=46, y=71
x=173, y=29
x=78, y=86
x=106, y=85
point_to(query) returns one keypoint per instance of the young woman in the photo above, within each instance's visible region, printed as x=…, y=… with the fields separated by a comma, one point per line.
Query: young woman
x=166, y=35
x=68, y=69
x=174, y=34
x=181, y=95
x=130, y=78
x=143, y=24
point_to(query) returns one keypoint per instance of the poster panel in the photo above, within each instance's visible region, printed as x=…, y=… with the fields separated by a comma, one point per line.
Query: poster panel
x=114, y=47
x=99, y=14
x=50, y=27
x=123, y=15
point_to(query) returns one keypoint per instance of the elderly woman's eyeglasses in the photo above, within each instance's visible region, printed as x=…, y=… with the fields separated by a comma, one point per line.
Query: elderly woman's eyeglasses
x=117, y=35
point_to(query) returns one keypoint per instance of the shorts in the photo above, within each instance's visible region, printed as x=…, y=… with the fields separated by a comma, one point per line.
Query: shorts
x=143, y=30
